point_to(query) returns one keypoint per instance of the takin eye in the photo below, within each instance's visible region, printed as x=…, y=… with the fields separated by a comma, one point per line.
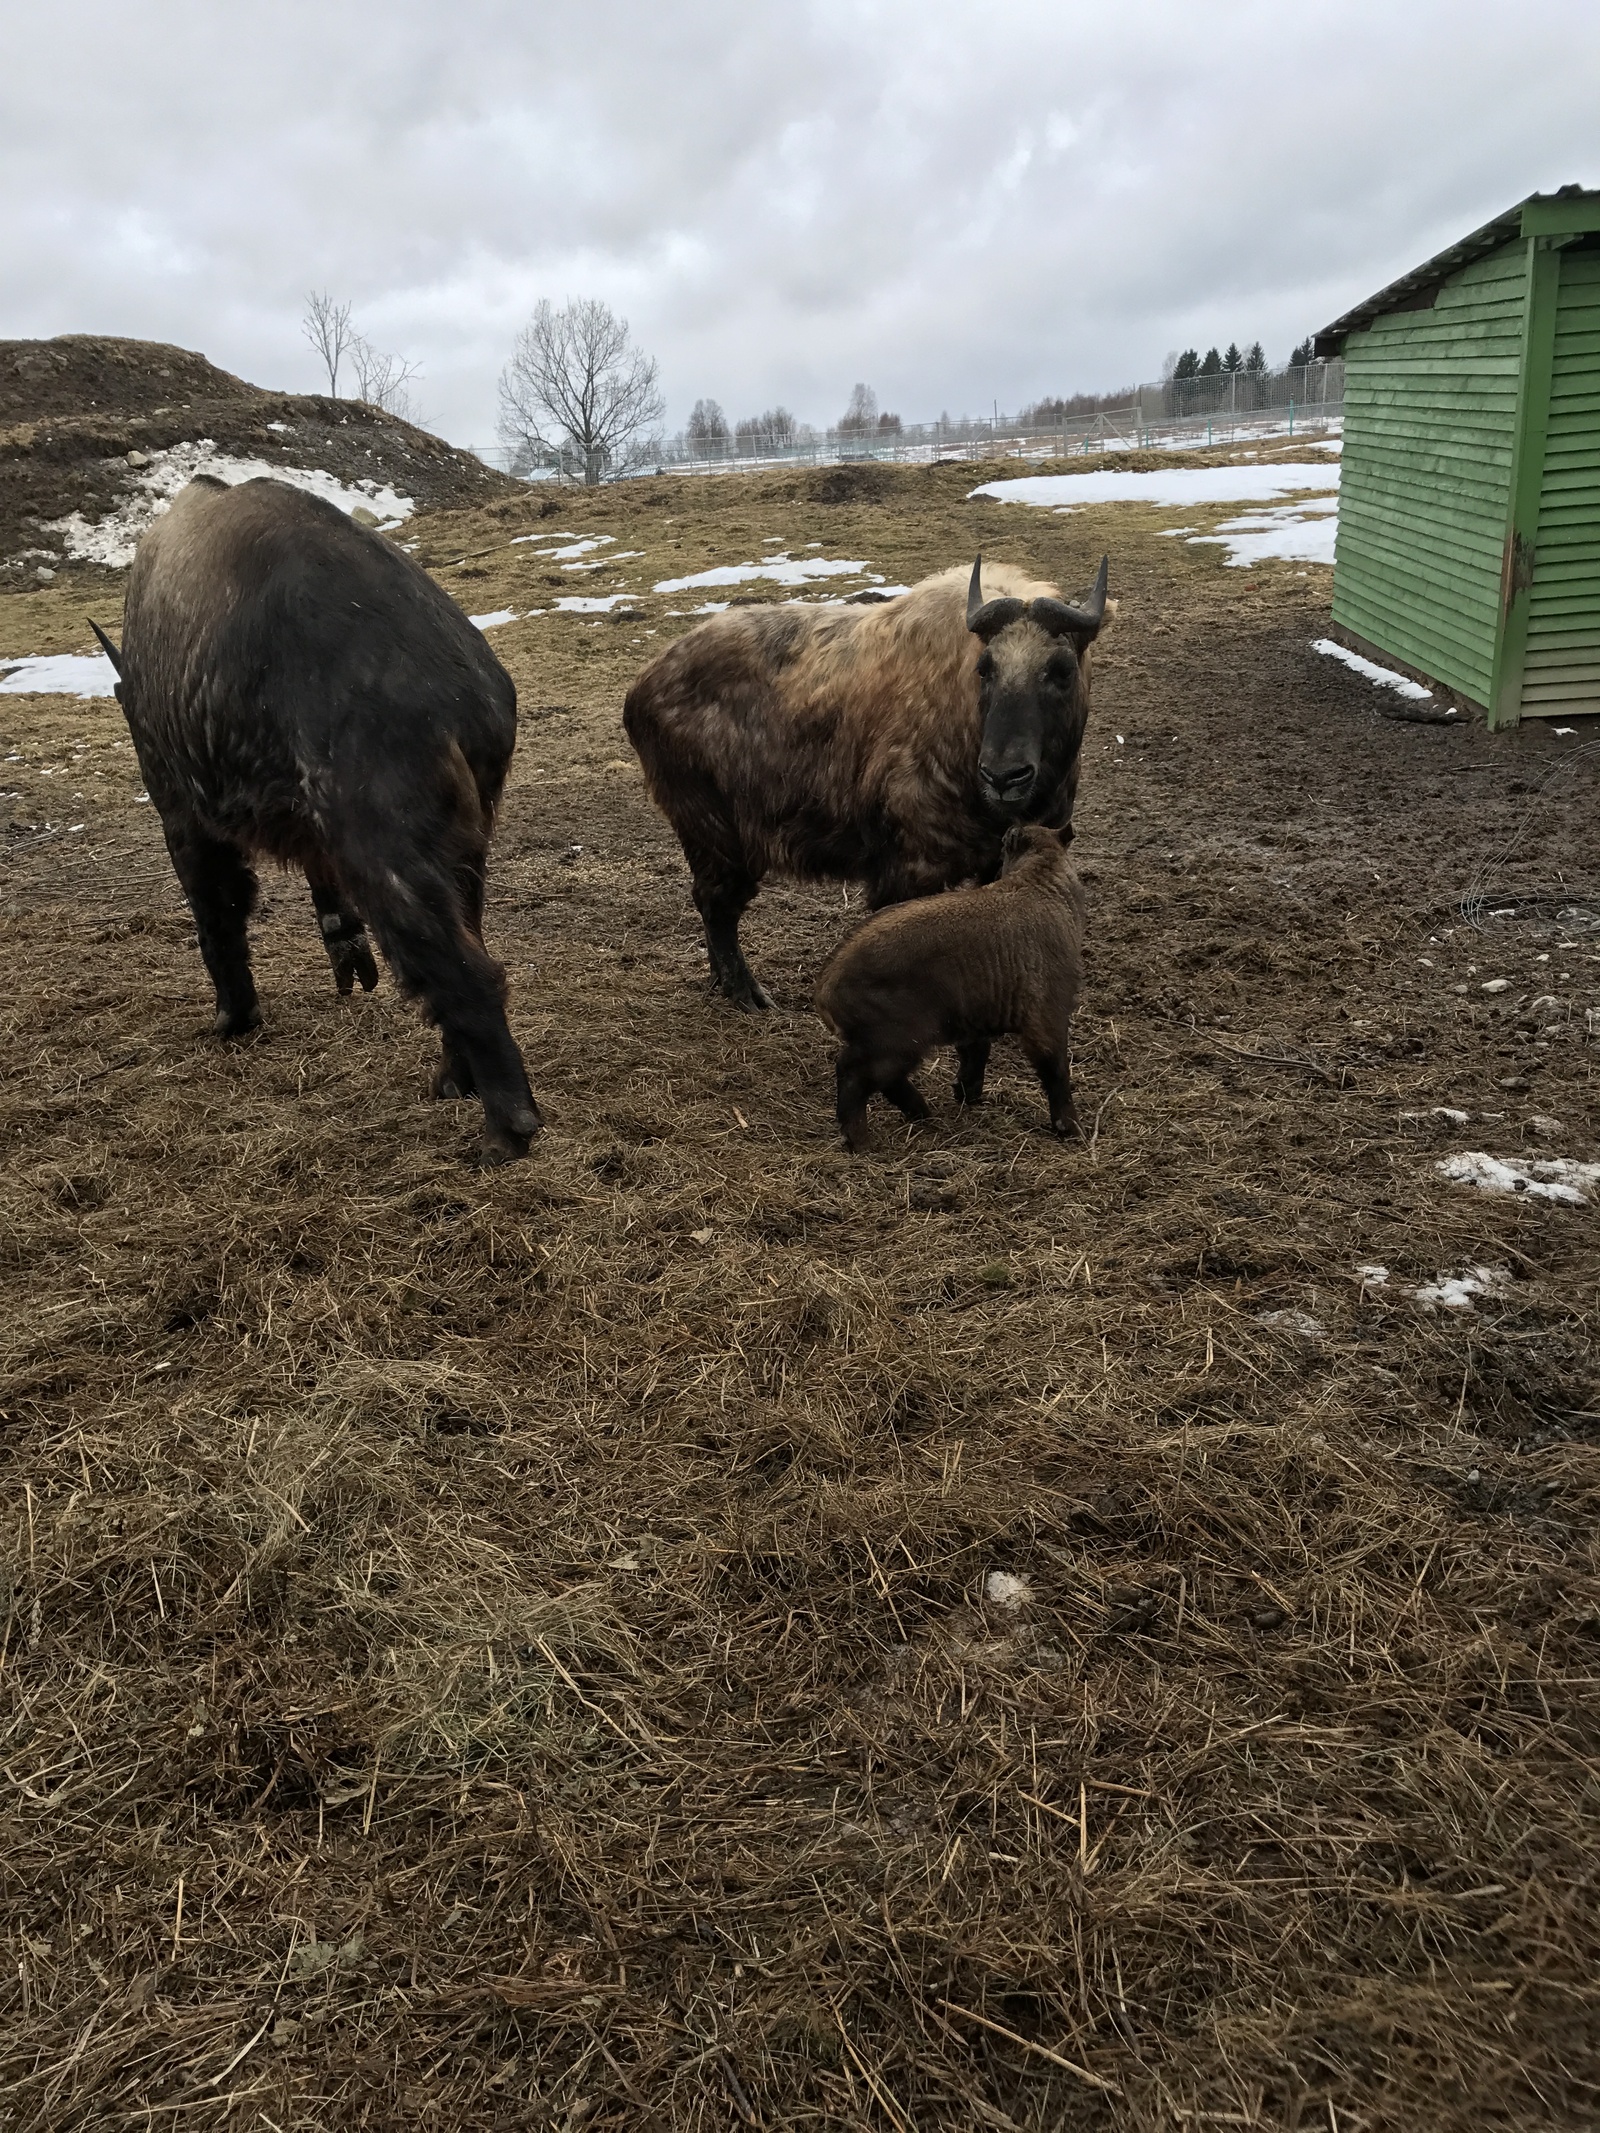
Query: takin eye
x=1059, y=673
x=985, y=666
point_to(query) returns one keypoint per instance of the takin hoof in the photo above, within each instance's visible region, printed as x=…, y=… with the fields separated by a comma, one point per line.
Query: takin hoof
x=348, y=967
x=507, y=1140
x=744, y=992
x=451, y=1082
x=236, y=1022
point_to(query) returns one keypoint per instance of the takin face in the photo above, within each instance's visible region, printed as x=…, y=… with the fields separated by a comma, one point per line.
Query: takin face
x=1033, y=692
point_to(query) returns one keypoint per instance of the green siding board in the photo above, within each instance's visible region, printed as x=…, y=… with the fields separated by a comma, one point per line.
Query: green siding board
x=1460, y=658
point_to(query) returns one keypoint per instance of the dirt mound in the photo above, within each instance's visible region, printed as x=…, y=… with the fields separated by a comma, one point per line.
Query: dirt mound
x=870, y=484
x=83, y=417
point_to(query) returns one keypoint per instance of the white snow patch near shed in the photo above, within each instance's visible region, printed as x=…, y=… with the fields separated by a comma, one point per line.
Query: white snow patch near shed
x=1385, y=677
x=1294, y=533
x=1551, y=1177
x=112, y=540
x=497, y=620
x=59, y=674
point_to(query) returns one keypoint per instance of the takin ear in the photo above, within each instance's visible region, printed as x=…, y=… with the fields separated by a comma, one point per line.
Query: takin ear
x=1012, y=846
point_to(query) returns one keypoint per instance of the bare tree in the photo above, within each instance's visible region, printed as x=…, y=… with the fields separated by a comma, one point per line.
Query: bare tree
x=707, y=425
x=326, y=326
x=576, y=383
x=382, y=380
x=773, y=430
x=862, y=413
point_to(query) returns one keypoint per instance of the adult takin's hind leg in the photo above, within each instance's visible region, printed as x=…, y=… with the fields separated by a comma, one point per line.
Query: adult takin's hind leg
x=221, y=889
x=722, y=894
x=343, y=933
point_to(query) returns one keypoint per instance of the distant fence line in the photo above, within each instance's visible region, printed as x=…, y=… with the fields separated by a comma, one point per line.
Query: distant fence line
x=1175, y=413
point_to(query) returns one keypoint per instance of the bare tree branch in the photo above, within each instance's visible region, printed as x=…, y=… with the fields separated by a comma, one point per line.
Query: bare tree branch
x=381, y=380
x=326, y=326
x=575, y=385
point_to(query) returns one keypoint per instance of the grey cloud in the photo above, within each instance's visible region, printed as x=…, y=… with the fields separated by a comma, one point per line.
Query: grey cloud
x=956, y=204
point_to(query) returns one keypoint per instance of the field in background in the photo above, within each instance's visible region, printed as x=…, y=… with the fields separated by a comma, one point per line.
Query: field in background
x=698, y=1630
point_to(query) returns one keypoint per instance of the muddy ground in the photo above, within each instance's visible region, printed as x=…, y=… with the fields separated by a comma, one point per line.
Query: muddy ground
x=696, y=1629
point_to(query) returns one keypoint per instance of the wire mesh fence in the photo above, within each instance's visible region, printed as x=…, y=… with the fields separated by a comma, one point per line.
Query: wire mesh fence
x=1175, y=413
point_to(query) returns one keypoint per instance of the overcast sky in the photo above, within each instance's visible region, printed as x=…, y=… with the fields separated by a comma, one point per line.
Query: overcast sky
x=955, y=203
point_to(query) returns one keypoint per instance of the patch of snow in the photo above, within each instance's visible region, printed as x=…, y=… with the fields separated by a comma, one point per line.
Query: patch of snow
x=574, y=547
x=778, y=568
x=576, y=604
x=1568, y=731
x=278, y=426
x=495, y=621
x=1175, y=488
x=1456, y=1291
x=603, y=562
x=1385, y=677
x=1548, y=1127
x=1294, y=533
x=1003, y=1588
x=1556, y=1177
x=1373, y=1277
x=113, y=539
x=60, y=674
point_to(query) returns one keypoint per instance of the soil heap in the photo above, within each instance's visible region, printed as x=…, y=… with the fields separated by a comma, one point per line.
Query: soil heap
x=73, y=410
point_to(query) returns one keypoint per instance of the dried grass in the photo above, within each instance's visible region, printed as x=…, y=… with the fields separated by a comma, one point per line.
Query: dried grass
x=481, y=1651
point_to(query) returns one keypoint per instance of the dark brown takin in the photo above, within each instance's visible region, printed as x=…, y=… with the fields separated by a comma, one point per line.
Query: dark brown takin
x=297, y=688
x=892, y=744
x=1005, y=958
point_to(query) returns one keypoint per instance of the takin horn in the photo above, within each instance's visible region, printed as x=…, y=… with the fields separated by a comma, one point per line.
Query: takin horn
x=1059, y=619
x=985, y=618
x=108, y=647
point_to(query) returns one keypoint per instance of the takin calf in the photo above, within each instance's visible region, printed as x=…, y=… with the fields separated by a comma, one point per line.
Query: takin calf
x=892, y=744
x=297, y=687
x=961, y=969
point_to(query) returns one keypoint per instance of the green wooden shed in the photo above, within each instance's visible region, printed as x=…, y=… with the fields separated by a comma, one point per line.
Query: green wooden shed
x=1469, y=509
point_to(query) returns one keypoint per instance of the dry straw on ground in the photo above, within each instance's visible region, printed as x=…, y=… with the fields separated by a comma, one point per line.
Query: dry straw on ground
x=526, y=1649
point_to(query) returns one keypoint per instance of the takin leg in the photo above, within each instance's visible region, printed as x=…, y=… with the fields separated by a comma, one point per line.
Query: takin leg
x=454, y=1076
x=425, y=927
x=972, y=1060
x=343, y=934
x=1049, y=1061
x=863, y=1071
x=722, y=893
x=221, y=889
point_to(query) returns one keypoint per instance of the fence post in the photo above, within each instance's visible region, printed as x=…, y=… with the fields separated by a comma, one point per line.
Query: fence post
x=1291, y=414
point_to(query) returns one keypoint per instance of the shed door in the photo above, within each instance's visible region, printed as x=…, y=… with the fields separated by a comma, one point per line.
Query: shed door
x=1561, y=669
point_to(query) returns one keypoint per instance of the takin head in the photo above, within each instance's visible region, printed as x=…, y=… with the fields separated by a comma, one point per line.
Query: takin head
x=1033, y=692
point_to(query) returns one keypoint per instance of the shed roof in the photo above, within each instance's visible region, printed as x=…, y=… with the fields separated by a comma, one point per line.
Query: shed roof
x=1570, y=212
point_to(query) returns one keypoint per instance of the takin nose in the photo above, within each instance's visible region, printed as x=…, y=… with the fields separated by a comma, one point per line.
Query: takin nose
x=1007, y=784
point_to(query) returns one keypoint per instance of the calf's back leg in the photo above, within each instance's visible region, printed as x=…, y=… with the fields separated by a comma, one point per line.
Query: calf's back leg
x=972, y=1061
x=1049, y=1061
x=221, y=889
x=343, y=933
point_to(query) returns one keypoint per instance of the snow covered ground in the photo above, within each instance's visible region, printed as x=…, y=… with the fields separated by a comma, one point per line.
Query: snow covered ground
x=1176, y=488
x=779, y=569
x=113, y=538
x=61, y=674
x=1384, y=677
x=1301, y=530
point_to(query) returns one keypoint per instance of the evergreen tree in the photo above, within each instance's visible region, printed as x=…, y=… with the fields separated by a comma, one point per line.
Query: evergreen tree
x=1212, y=366
x=1256, y=360
x=1233, y=360
x=1187, y=365
x=1301, y=355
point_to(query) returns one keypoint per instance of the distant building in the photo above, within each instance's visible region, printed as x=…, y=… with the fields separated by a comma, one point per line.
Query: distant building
x=1469, y=511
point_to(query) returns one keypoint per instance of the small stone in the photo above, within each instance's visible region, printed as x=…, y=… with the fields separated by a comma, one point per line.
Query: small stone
x=138, y=459
x=44, y=575
x=1495, y=985
x=1548, y=1127
x=364, y=517
x=1003, y=1588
